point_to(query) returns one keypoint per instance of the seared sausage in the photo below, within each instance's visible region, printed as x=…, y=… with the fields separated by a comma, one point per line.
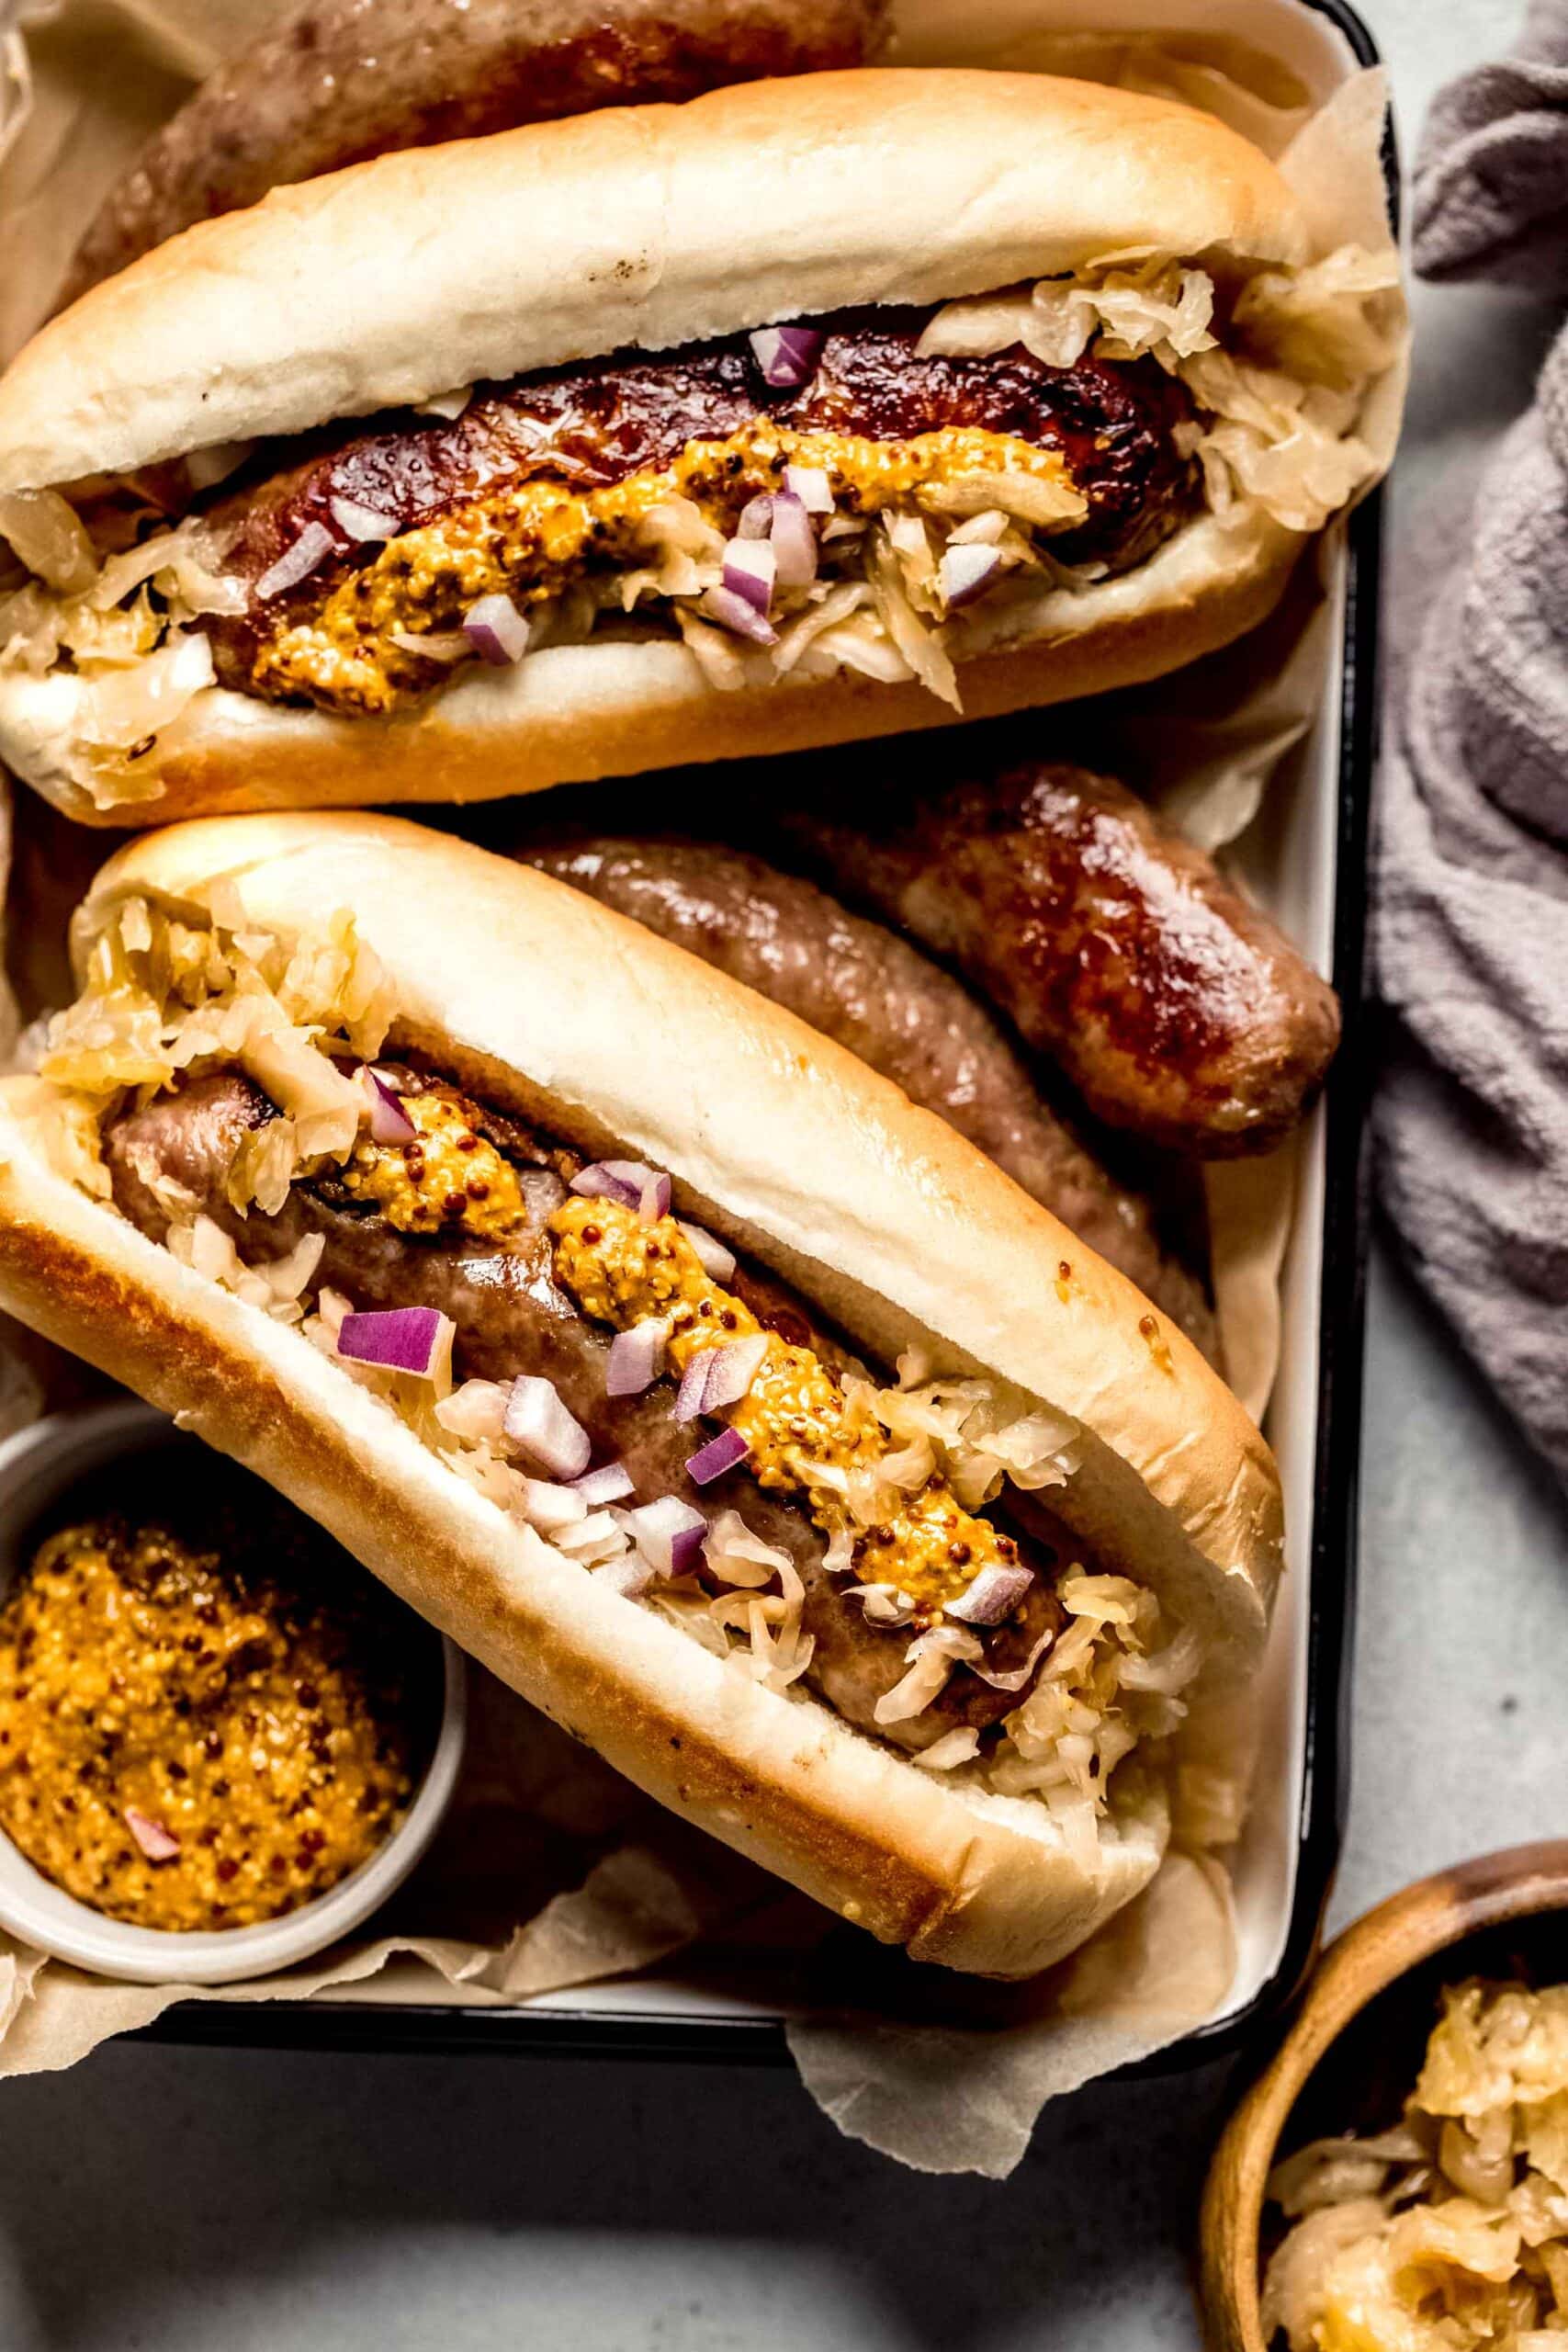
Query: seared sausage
x=511, y=1318
x=1114, y=946
x=338, y=81
x=870, y=991
x=599, y=421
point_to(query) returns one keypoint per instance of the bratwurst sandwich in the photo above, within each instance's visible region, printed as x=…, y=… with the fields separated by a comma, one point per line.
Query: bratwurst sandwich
x=736, y=1412
x=807, y=411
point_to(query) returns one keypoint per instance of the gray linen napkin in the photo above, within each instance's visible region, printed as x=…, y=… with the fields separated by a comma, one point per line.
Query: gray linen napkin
x=1470, y=936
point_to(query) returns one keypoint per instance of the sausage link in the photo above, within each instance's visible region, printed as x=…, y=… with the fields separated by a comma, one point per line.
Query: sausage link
x=1114, y=946
x=340, y=81
x=511, y=1316
x=872, y=992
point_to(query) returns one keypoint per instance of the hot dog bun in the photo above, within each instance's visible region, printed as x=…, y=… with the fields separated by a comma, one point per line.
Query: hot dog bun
x=650, y=226
x=572, y=714
x=393, y=281
x=899, y=1229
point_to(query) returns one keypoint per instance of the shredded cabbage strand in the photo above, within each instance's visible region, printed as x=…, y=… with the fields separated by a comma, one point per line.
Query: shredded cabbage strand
x=1449, y=2234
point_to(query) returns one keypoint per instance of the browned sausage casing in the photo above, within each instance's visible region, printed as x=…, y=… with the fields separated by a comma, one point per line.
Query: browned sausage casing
x=511, y=1318
x=872, y=992
x=338, y=81
x=1178, y=1010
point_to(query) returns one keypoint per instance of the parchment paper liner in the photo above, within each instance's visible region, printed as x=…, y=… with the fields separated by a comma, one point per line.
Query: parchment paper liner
x=550, y=1872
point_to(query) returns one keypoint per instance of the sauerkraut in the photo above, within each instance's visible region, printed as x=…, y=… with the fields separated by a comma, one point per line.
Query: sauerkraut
x=166, y=999
x=1277, y=405
x=1449, y=2234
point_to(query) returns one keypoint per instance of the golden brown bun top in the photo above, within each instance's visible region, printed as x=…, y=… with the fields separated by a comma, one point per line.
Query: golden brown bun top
x=786, y=1144
x=402, y=278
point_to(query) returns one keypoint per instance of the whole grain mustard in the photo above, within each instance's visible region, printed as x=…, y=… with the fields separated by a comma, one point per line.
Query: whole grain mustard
x=805, y=1431
x=189, y=1740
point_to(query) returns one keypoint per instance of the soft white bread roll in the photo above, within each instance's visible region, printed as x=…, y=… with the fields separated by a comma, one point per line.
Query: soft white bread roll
x=793, y=1150
x=398, y=279
x=646, y=226
x=572, y=714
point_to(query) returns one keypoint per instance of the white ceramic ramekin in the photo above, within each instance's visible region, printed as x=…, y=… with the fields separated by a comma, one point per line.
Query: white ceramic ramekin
x=39, y=1466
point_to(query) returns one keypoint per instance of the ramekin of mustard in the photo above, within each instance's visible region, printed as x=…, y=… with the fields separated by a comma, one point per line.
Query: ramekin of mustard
x=222, y=1745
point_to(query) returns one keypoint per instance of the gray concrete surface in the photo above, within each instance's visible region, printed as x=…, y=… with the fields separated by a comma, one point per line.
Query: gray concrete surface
x=170, y=2201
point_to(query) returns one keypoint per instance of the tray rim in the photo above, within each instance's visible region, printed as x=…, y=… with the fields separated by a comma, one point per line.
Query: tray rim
x=560, y=2031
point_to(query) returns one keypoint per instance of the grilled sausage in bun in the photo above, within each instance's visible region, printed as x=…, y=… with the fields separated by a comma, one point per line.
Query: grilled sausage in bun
x=810, y=410
x=737, y=1413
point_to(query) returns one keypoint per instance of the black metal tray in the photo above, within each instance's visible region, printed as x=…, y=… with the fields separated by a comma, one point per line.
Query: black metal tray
x=559, y=2029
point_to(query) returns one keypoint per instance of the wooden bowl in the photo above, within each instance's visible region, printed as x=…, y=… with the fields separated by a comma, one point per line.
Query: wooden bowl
x=1354, y=2049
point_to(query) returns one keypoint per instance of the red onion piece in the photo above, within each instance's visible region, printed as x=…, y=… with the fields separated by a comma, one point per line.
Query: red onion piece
x=755, y=517
x=614, y=1180
x=363, y=523
x=718, y=1262
x=497, y=631
x=668, y=1533
x=720, y=1376
x=734, y=613
x=750, y=567
x=994, y=1594
x=389, y=1122
x=966, y=573
x=653, y=1201
x=296, y=562
x=811, y=485
x=159, y=1845
x=613, y=1484
x=787, y=356
x=416, y=1339
x=635, y=1357
x=733, y=1368
x=794, y=543
x=539, y=1423
x=722, y=1452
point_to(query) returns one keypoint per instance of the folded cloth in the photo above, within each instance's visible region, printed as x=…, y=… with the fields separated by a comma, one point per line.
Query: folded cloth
x=1471, y=938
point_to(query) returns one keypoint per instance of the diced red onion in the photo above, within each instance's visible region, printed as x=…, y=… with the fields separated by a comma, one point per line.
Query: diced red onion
x=755, y=517
x=635, y=1358
x=389, y=1122
x=614, y=1180
x=613, y=1484
x=296, y=562
x=159, y=1845
x=718, y=1262
x=668, y=1533
x=750, y=567
x=787, y=356
x=722, y=1453
x=653, y=1201
x=550, y=1507
x=811, y=485
x=966, y=573
x=994, y=1594
x=720, y=1376
x=539, y=1423
x=497, y=631
x=733, y=612
x=794, y=543
x=417, y=1339
x=363, y=523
